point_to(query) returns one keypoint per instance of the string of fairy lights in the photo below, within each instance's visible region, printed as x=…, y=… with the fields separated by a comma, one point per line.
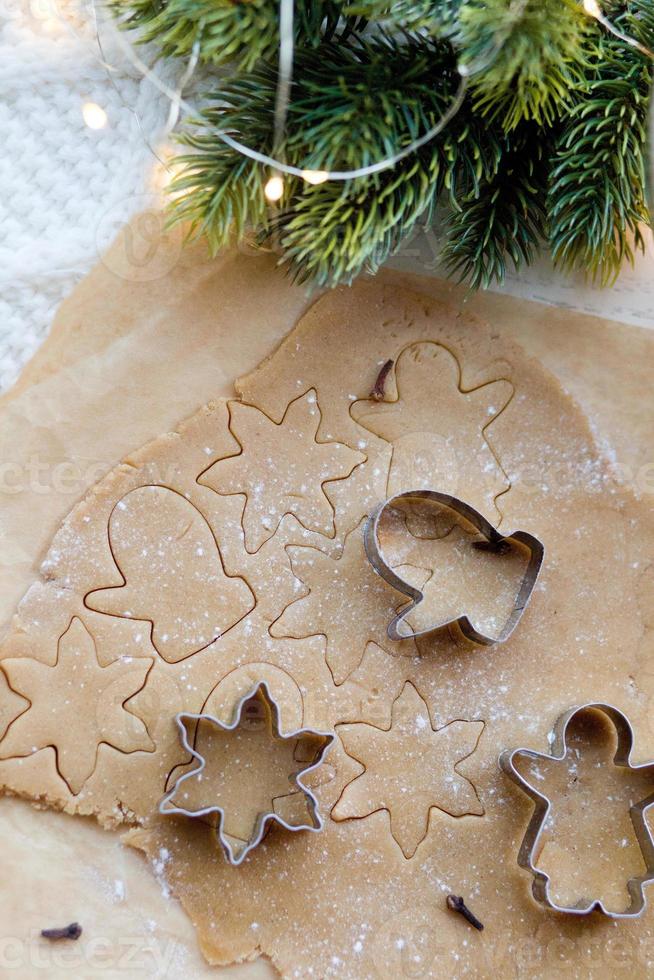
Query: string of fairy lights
x=593, y=9
x=95, y=116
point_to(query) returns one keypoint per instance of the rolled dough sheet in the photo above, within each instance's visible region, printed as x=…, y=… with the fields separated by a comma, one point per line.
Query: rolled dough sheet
x=84, y=381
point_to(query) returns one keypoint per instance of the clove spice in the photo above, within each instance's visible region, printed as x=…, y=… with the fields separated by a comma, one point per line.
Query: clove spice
x=379, y=387
x=495, y=547
x=456, y=904
x=72, y=931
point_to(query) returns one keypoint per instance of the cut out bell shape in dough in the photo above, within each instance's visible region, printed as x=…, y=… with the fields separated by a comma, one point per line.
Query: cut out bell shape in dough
x=173, y=573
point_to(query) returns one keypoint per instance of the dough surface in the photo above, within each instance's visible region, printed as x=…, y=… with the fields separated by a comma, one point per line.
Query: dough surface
x=365, y=897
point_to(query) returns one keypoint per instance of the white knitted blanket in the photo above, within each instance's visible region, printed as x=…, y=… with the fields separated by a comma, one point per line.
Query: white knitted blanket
x=66, y=188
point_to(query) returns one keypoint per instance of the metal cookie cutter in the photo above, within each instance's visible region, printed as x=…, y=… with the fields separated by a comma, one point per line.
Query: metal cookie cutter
x=540, y=885
x=495, y=541
x=258, y=700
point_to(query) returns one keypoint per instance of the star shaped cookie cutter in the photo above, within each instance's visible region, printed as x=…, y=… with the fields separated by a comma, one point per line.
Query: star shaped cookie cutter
x=495, y=540
x=622, y=757
x=265, y=818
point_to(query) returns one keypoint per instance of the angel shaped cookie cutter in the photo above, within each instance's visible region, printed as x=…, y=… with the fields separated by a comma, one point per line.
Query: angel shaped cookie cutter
x=529, y=846
x=259, y=697
x=398, y=628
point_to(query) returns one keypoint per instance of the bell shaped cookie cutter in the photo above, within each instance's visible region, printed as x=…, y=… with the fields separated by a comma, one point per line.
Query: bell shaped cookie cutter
x=529, y=846
x=495, y=540
x=265, y=818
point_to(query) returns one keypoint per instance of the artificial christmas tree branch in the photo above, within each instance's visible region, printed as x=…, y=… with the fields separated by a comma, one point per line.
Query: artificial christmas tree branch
x=503, y=218
x=545, y=47
x=596, y=200
x=547, y=146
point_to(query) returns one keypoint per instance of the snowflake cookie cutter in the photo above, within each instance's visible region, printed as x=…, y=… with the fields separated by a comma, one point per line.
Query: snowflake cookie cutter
x=530, y=842
x=398, y=628
x=261, y=694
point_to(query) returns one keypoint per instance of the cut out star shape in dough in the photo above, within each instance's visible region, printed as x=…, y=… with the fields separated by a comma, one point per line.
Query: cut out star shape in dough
x=11, y=704
x=282, y=468
x=248, y=773
x=347, y=602
x=75, y=705
x=408, y=769
x=432, y=405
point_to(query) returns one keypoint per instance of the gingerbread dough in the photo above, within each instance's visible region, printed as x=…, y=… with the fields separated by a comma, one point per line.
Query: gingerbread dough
x=365, y=898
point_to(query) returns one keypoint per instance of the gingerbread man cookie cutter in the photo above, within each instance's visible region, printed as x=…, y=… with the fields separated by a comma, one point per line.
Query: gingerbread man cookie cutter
x=529, y=846
x=398, y=629
x=266, y=817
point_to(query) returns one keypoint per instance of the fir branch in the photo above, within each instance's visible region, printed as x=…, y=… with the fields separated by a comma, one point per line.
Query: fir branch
x=333, y=232
x=597, y=195
x=436, y=17
x=524, y=54
x=554, y=98
x=351, y=105
x=504, y=218
x=230, y=32
x=354, y=105
x=219, y=191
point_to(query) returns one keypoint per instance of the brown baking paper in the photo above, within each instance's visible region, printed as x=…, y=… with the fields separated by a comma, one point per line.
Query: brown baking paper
x=134, y=373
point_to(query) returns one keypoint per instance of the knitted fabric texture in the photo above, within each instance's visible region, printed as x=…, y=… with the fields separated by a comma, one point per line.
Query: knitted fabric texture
x=67, y=188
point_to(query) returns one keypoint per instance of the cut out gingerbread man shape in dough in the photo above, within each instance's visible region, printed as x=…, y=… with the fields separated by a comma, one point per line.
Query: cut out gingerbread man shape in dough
x=588, y=846
x=429, y=387
x=281, y=468
x=173, y=573
x=393, y=758
x=75, y=705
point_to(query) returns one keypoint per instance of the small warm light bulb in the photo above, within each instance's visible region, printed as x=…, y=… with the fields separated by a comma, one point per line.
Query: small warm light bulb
x=274, y=188
x=592, y=8
x=94, y=115
x=315, y=176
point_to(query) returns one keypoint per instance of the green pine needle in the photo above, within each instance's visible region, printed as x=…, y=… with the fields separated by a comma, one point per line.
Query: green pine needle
x=504, y=220
x=597, y=197
x=524, y=55
x=436, y=17
x=332, y=233
x=219, y=191
x=238, y=33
